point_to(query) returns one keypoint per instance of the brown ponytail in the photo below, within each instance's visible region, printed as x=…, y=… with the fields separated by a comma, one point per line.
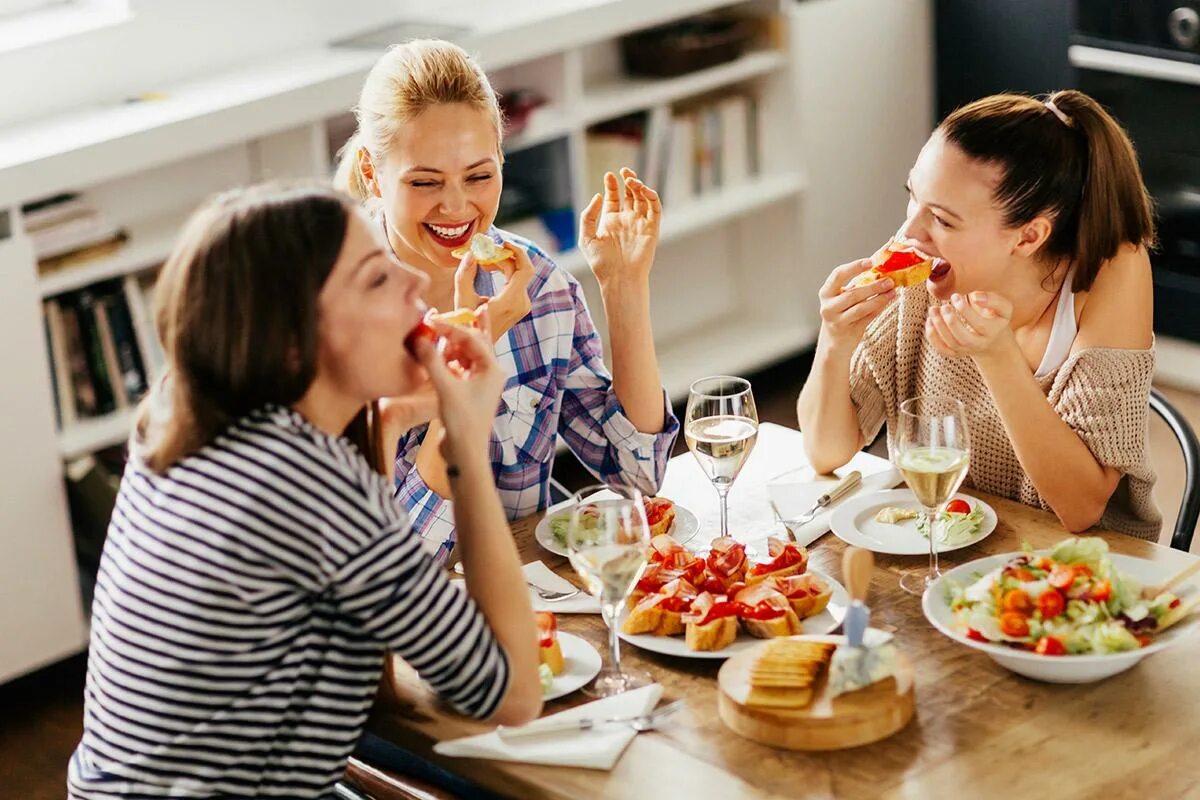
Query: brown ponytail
x=1067, y=158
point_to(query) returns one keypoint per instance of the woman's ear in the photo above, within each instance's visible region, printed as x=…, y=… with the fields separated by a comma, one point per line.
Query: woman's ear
x=1033, y=235
x=367, y=168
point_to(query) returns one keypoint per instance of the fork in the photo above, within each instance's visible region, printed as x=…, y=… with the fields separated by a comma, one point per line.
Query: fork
x=844, y=487
x=550, y=595
x=640, y=723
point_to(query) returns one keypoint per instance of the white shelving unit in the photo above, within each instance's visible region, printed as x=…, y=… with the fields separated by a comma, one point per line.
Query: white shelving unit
x=732, y=284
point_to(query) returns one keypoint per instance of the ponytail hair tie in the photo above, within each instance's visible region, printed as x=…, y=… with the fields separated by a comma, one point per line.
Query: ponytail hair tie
x=1063, y=118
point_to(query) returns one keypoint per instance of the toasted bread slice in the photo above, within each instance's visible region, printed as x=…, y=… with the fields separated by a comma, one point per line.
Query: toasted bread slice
x=714, y=635
x=794, y=569
x=642, y=620
x=811, y=605
x=787, y=624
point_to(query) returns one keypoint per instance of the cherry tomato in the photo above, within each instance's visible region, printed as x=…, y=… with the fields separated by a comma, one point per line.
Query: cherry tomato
x=422, y=330
x=1061, y=578
x=1101, y=592
x=1022, y=574
x=1018, y=601
x=1051, y=646
x=1014, y=625
x=958, y=507
x=1144, y=640
x=1051, y=603
x=975, y=635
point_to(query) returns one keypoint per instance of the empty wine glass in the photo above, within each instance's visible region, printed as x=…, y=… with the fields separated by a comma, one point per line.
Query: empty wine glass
x=720, y=427
x=933, y=452
x=608, y=541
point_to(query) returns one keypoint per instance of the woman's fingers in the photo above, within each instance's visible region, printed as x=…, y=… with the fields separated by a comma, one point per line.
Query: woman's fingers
x=464, y=282
x=869, y=308
x=842, y=275
x=640, y=207
x=627, y=176
x=612, y=194
x=589, y=220
x=846, y=300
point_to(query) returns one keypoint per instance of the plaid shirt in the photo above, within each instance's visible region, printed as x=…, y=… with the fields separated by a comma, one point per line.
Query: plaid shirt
x=556, y=383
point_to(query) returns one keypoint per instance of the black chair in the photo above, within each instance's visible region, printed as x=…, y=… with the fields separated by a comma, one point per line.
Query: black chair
x=1189, y=509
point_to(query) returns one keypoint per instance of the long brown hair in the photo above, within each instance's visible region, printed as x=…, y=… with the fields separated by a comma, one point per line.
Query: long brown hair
x=1066, y=157
x=235, y=308
x=407, y=80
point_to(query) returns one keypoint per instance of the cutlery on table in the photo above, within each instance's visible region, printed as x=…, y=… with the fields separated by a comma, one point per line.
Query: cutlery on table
x=844, y=487
x=550, y=595
x=1151, y=592
x=640, y=723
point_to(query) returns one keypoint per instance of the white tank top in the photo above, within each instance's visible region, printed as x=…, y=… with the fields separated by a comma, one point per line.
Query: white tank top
x=1062, y=332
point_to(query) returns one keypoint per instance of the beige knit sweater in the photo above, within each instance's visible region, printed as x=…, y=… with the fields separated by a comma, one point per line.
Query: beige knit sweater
x=1102, y=393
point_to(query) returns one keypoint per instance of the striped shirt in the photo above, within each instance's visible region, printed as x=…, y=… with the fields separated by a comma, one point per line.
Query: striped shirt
x=556, y=384
x=243, y=606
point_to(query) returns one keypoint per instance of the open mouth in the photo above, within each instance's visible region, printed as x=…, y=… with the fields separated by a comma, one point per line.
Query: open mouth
x=450, y=236
x=941, y=268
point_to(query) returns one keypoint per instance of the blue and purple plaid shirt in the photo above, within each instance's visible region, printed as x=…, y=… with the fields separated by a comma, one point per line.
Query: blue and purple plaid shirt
x=557, y=383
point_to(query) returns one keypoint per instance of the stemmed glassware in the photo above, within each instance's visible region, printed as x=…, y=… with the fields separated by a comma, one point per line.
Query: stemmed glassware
x=933, y=453
x=608, y=542
x=720, y=427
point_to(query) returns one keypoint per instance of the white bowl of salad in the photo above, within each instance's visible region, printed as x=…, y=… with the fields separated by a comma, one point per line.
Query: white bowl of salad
x=1071, y=614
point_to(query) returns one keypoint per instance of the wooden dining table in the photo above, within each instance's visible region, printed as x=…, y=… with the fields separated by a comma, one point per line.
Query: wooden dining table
x=979, y=731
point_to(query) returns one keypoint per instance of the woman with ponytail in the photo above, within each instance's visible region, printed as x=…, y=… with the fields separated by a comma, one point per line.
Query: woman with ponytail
x=426, y=160
x=1038, y=314
x=257, y=566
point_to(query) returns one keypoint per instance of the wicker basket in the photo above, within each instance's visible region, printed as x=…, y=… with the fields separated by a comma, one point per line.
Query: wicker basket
x=686, y=46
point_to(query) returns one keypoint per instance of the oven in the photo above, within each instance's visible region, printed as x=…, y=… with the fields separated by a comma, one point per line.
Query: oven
x=1141, y=59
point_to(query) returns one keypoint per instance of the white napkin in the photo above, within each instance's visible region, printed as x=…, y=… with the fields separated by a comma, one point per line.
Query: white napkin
x=594, y=749
x=539, y=574
x=795, y=491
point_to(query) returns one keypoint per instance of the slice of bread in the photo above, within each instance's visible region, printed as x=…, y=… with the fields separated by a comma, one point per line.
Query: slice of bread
x=716, y=634
x=787, y=624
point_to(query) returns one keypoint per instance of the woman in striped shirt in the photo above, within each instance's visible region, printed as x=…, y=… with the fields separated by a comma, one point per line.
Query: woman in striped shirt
x=257, y=566
x=427, y=158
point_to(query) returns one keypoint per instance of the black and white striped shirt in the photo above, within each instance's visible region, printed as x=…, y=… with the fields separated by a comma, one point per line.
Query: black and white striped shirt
x=243, y=604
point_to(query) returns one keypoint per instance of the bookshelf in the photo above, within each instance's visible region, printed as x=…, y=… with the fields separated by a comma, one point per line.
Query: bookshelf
x=733, y=284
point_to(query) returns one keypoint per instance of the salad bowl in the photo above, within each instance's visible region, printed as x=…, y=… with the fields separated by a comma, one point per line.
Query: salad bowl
x=1100, y=661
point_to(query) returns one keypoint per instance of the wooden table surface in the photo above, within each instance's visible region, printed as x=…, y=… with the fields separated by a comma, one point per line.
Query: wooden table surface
x=979, y=730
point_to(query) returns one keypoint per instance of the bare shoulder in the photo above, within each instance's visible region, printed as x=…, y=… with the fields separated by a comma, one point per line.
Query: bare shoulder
x=1118, y=311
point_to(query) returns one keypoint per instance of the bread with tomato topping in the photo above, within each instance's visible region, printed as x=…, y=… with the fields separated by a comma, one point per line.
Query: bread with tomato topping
x=787, y=558
x=711, y=624
x=549, y=651
x=765, y=613
x=900, y=260
x=660, y=515
x=661, y=613
x=807, y=594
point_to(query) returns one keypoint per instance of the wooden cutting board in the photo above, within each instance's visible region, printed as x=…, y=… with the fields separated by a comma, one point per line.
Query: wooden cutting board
x=829, y=723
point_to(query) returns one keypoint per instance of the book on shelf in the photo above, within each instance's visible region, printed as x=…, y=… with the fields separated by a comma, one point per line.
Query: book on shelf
x=65, y=229
x=139, y=299
x=98, y=359
x=612, y=145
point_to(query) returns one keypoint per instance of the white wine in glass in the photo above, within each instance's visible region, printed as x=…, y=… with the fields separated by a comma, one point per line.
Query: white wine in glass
x=933, y=453
x=720, y=428
x=608, y=541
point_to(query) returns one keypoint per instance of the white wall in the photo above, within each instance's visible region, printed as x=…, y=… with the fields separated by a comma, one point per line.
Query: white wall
x=172, y=40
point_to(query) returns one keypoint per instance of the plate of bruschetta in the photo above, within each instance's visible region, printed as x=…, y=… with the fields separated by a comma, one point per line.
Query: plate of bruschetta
x=662, y=516
x=715, y=605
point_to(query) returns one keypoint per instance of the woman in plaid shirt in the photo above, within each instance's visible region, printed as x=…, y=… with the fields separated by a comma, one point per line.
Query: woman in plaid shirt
x=427, y=156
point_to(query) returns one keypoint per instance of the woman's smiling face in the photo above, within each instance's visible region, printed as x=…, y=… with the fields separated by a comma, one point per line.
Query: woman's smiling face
x=440, y=183
x=952, y=214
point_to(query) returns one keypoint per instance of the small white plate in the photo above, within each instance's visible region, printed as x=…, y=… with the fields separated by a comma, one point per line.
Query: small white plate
x=821, y=623
x=685, y=526
x=854, y=523
x=1053, y=669
x=581, y=663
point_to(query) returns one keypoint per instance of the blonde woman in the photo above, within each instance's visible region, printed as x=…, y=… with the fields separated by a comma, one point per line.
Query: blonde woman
x=1038, y=315
x=427, y=160
x=257, y=565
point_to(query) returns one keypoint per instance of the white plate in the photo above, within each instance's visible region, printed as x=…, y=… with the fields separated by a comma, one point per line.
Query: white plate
x=1054, y=669
x=854, y=523
x=685, y=526
x=824, y=622
x=581, y=663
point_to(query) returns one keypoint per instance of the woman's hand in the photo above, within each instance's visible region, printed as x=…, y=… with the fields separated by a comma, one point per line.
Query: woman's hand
x=401, y=414
x=845, y=315
x=512, y=304
x=619, y=234
x=468, y=381
x=974, y=326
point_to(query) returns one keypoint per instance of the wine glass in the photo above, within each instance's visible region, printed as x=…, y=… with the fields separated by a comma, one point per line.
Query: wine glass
x=720, y=427
x=608, y=542
x=933, y=452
